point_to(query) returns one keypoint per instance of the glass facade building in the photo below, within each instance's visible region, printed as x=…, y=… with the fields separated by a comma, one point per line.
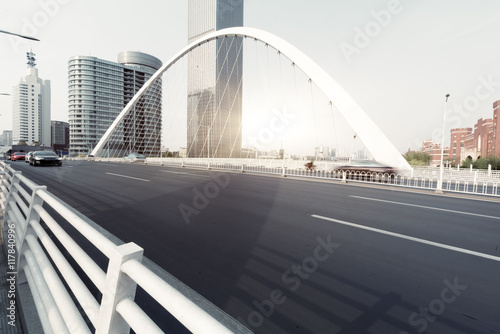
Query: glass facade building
x=60, y=136
x=214, y=81
x=98, y=92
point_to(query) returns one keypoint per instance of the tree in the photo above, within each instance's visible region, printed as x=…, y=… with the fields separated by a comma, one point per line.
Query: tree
x=467, y=162
x=167, y=154
x=417, y=158
x=482, y=163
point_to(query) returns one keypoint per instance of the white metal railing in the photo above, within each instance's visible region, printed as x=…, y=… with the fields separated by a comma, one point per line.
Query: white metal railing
x=463, y=180
x=454, y=180
x=41, y=263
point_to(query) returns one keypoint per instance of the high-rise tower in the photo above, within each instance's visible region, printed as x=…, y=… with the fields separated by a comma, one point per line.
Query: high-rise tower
x=214, y=81
x=31, y=107
x=99, y=90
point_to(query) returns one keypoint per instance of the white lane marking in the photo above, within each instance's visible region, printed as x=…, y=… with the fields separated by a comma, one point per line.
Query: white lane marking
x=190, y=174
x=128, y=177
x=426, y=207
x=402, y=236
x=107, y=164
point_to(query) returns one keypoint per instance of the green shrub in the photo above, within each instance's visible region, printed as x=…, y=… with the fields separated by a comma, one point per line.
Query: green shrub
x=482, y=163
x=417, y=158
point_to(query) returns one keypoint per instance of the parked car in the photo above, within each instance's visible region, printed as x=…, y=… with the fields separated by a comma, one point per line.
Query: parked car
x=18, y=156
x=28, y=157
x=49, y=158
x=133, y=157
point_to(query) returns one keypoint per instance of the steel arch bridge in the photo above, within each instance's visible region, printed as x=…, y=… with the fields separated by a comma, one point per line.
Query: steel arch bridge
x=374, y=139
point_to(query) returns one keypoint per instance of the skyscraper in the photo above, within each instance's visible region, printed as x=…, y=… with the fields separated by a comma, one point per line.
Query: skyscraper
x=60, y=135
x=99, y=90
x=6, y=138
x=214, y=81
x=31, y=107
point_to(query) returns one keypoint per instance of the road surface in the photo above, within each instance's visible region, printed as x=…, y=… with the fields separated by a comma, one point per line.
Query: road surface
x=283, y=255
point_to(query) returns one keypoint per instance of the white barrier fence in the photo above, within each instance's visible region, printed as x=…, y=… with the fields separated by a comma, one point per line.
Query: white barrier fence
x=461, y=180
x=454, y=180
x=42, y=260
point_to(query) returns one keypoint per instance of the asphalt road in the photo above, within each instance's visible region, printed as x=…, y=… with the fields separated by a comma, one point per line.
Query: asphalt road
x=290, y=256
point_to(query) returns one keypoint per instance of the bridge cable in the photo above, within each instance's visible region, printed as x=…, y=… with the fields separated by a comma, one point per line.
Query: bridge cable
x=314, y=111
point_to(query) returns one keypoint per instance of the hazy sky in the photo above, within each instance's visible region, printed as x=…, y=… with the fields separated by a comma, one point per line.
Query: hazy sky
x=398, y=59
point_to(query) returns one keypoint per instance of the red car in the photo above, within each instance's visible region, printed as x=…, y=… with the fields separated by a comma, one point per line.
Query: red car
x=18, y=156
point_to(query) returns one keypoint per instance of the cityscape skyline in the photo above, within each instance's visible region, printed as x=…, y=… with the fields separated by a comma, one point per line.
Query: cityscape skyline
x=381, y=44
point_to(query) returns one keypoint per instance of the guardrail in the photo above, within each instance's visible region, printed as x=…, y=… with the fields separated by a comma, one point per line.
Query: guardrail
x=43, y=254
x=461, y=180
x=455, y=180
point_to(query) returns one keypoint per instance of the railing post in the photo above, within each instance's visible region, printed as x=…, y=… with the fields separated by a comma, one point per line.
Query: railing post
x=11, y=189
x=3, y=196
x=118, y=286
x=31, y=215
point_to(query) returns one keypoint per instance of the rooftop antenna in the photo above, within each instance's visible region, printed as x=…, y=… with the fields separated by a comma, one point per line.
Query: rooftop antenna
x=31, y=59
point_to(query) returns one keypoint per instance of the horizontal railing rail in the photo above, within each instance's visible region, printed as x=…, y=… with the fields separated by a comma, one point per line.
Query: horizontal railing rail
x=46, y=255
x=461, y=180
x=454, y=180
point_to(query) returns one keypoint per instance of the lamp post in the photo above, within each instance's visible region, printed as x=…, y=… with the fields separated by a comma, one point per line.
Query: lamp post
x=439, y=187
x=18, y=35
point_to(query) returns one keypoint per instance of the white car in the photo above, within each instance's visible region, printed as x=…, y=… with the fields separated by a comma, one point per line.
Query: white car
x=134, y=157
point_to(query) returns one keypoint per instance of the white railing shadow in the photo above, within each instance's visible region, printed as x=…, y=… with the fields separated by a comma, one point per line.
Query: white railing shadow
x=43, y=265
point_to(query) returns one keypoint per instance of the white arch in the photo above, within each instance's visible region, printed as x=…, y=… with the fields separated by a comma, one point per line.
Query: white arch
x=373, y=138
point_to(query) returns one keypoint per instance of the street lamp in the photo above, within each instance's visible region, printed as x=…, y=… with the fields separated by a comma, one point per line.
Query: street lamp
x=439, y=187
x=22, y=36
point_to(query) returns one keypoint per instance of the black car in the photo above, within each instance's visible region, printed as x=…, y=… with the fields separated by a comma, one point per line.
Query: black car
x=48, y=158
